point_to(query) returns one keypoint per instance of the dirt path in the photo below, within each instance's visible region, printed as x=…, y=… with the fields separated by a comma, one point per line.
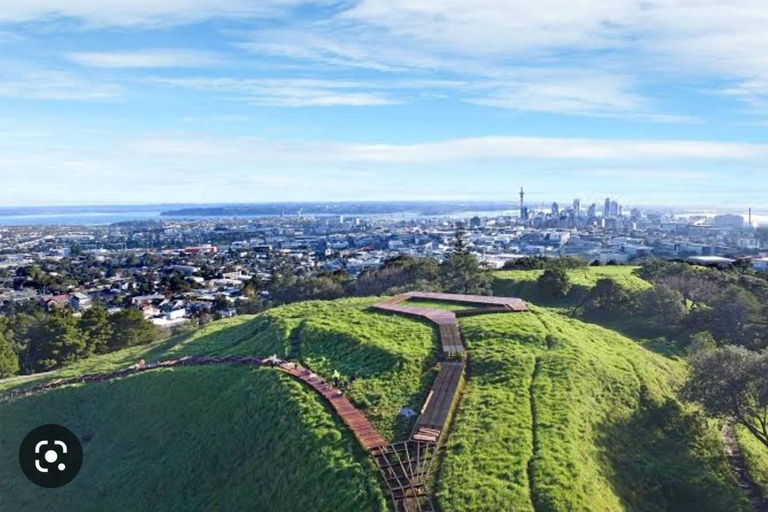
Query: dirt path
x=739, y=469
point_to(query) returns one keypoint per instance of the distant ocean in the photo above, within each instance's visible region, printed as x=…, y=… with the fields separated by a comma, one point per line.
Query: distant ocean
x=74, y=216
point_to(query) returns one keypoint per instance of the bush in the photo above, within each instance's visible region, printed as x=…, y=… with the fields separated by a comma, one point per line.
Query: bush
x=555, y=282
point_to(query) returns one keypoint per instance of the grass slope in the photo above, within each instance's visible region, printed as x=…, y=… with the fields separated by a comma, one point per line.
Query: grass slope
x=193, y=439
x=755, y=456
x=560, y=415
x=523, y=283
x=391, y=357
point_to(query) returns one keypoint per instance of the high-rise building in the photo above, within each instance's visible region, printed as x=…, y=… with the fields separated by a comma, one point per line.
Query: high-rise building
x=614, y=209
x=607, y=208
x=592, y=211
x=577, y=207
x=555, y=209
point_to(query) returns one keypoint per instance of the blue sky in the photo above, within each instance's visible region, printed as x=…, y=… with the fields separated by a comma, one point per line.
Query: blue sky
x=651, y=102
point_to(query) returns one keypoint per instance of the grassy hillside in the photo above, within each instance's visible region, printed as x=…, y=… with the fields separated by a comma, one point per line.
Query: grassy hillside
x=755, y=456
x=193, y=439
x=391, y=357
x=562, y=416
x=558, y=415
x=522, y=283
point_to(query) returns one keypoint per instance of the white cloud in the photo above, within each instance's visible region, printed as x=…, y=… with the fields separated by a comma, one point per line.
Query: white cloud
x=54, y=85
x=145, y=59
x=178, y=168
x=139, y=12
x=477, y=149
x=288, y=92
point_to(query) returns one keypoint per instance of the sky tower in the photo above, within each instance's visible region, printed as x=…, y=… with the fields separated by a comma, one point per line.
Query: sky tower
x=522, y=195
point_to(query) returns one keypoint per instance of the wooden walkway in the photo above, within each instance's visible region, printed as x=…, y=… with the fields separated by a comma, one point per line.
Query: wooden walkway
x=434, y=415
x=405, y=466
x=450, y=336
x=362, y=429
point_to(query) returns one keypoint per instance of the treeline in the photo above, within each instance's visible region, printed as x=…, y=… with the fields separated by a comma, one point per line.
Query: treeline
x=692, y=305
x=35, y=340
x=460, y=272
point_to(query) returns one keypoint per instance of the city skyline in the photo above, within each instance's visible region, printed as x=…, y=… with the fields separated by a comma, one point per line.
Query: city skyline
x=664, y=103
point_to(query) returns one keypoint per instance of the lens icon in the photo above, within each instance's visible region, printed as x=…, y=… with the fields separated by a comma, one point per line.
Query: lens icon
x=50, y=456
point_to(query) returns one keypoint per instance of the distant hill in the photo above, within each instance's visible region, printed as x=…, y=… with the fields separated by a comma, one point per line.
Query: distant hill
x=557, y=415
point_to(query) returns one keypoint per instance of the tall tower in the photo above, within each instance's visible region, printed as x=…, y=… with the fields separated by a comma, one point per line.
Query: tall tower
x=522, y=211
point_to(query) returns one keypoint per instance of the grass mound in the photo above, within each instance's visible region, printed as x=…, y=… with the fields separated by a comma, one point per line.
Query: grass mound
x=193, y=439
x=559, y=415
x=523, y=283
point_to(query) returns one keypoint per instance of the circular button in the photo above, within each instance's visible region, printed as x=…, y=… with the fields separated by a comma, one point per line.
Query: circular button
x=50, y=456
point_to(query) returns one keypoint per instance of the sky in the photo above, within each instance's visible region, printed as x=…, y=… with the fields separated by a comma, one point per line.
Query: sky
x=651, y=102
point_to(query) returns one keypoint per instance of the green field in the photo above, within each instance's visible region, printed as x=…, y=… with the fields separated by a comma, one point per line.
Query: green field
x=522, y=283
x=193, y=439
x=557, y=416
x=564, y=416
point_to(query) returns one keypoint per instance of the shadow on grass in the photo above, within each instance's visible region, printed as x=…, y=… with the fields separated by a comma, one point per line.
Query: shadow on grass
x=665, y=458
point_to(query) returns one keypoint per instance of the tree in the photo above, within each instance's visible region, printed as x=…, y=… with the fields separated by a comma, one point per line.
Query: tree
x=402, y=273
x=555, y=282
x=129, y=328
x=61, y=341
x=460, y=244
x=736, y=318
x=9, y=360
x=661, y=306
x=462, y=273
x=693, y=286
x=97, y=330
x=607, y=295
x=732, y=382
x=220, y=303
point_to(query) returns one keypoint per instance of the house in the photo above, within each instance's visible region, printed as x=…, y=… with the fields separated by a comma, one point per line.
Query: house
x=175, y=314
x=146, y=299
x=80, y=302
x=56, y=301
x=149, y=311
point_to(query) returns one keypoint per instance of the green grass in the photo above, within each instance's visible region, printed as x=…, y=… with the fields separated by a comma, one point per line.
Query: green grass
x=438, y=304
x=755, y=456
x=391, y=357
x=523, y=283
x=557, y=416
x=193, y=439
x=560, y=415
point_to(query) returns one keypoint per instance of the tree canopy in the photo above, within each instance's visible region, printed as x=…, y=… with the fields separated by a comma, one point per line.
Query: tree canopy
x=732, y=382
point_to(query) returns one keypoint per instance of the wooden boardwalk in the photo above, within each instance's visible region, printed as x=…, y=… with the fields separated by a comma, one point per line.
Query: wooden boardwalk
x=357, y=422
x=434, y=415
x=450, y=336
x=405, y=466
